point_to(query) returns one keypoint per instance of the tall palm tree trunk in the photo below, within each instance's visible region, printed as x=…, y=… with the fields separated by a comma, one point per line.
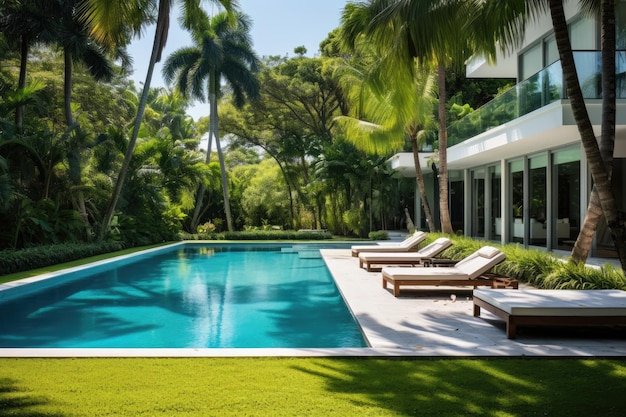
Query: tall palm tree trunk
x=67, y=88
x=74, y=159
x=159, y=36
x=599, y=171
x=419, y=178
x=21, y=84
x=195, y=218
x=582, y=246
x=213, y=127
x=444, y=204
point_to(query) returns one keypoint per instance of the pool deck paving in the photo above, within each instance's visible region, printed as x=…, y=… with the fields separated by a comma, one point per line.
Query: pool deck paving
x=428, y=322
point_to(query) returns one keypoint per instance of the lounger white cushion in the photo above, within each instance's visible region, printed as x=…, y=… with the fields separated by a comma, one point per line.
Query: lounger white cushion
x=404, y=246
x=420, y=274
x=556, y=302
x=395, y=258
x=471, y=267
x=553, y=307
x=465, y=272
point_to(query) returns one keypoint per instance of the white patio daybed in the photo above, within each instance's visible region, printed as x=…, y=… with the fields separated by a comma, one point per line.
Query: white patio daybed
x=552, y=307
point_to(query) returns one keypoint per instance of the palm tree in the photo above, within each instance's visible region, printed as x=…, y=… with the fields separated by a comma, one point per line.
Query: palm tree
x=598, y=166
x=222, y=50
x=111, y=21
x=404, y=109
x=582, y=246
x=78, y=46
x=426, y=30
x=510, y=29
x=22, y=24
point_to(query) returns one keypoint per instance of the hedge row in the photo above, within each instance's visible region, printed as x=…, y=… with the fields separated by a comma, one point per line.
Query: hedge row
x=260, y=235
x=12, y=261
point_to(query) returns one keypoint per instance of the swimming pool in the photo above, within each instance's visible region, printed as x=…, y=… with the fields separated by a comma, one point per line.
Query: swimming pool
x=188, y=295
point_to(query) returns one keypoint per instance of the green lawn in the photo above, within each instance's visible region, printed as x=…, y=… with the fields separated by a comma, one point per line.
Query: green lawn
x=311, y=387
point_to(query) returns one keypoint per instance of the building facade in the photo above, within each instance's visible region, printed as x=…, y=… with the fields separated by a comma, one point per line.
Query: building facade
x=517, y=169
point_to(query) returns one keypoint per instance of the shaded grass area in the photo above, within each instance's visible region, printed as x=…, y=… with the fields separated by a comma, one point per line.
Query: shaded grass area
x=311, y=387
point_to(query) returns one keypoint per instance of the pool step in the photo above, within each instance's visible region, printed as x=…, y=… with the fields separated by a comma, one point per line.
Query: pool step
x=309, y=254
x=303, y=251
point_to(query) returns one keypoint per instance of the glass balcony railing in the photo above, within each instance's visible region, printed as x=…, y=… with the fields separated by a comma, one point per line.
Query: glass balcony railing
x=541, y=89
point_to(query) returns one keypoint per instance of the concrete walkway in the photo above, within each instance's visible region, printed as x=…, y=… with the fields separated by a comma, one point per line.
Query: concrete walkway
x=429, y=323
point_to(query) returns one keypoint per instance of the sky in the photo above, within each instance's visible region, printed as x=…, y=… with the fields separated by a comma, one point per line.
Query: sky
x=278, y=26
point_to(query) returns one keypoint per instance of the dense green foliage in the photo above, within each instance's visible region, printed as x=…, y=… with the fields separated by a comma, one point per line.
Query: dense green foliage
x=311, y=387
x=261, y=234
x=67, y=124
x=41, y=256
x=540, y=269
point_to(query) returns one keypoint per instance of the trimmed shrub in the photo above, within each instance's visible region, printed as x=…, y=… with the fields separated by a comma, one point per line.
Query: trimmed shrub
x=378, y=235
x=12, y=261
x=276, y=235
x=260, y=235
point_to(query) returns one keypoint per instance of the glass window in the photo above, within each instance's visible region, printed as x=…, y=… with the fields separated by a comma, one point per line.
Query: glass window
x=566, y=197
x=478, y=202
x=538, y=200
x=550, y=51
x=531, y=62
x=495, y=203
x=516, y=198
x=589, y=67
x=620, y=16
x=584, y=35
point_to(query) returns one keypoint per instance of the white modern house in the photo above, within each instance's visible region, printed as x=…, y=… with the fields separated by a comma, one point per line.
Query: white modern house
x=517, y=168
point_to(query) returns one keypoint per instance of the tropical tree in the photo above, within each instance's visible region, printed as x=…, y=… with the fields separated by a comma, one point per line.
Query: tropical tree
x=389, y=106
x=598, y=165
x=293, y=122
x=24, y=23
x=426, y=30
x=583, y=243
x=510, y=21
x=264, y=199
x=222, y=52
x=253, y=127
x=112, y=22
x=78, y=46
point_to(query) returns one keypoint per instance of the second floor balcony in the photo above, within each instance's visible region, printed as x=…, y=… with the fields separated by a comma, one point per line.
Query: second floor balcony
x=540, y=90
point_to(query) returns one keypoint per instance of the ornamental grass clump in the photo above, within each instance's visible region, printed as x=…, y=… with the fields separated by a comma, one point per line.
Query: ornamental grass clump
x=570, y=276
x=527, y=265
x=538, y=268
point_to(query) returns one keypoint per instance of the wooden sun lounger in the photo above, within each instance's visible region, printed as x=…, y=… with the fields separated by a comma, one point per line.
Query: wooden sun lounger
x=423, y=256
x=553, y=307
x=488, y=280
x=407, y=245
x=470, y=271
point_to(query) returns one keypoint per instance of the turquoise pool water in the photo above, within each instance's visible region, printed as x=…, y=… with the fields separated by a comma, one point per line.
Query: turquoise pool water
x=187, y=296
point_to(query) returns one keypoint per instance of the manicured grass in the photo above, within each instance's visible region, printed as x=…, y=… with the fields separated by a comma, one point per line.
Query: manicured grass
x=311, y=387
